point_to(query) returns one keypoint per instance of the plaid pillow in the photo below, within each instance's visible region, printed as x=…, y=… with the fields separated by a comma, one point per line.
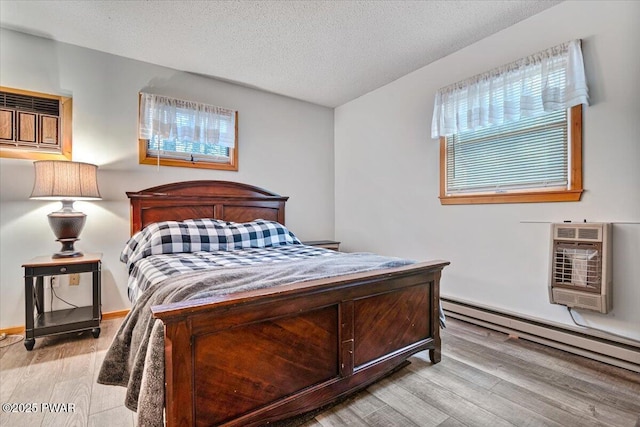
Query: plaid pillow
x=204, y=235
x=170, y=237
x=259, y=234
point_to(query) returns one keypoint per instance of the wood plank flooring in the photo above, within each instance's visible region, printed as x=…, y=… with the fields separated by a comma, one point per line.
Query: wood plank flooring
x=485, y=379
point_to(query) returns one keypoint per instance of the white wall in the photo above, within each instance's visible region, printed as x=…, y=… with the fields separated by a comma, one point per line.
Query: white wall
x=387, y=172
x=286, y=146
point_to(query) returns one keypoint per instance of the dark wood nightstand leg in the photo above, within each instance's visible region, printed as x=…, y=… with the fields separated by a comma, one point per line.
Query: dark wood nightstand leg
x=97, y=290
x=29, y=340
x=97, y=299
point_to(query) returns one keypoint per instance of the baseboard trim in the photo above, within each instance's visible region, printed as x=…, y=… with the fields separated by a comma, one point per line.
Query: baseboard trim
x=15, y=330
x=19, y=330
x=114, y=314
x=624, y=355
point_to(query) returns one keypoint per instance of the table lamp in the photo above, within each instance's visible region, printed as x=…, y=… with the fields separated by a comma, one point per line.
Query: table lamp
x=66, y=181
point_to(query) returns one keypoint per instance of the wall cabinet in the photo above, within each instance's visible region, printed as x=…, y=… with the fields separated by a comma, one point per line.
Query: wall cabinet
x=29, y=128
x=34, y=126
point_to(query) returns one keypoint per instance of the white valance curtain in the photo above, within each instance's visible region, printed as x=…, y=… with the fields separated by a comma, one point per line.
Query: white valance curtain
x=171, y=118
x=550, y=80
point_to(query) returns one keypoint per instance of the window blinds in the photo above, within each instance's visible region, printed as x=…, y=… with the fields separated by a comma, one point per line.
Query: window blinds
x=531, y=153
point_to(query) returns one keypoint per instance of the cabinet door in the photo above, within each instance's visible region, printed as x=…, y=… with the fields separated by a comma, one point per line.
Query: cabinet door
x=26, y=127
x=48, y=130
x=6, y=125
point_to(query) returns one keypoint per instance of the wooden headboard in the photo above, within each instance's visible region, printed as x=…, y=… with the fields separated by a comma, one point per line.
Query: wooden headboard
x=229, y=201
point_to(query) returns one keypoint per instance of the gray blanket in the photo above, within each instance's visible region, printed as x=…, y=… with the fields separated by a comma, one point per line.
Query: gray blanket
x=135, y=358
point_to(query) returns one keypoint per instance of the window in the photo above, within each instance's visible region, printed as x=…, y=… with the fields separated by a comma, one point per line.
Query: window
x=514, y=134
x=537, y=159
x=34, y=126
x=174, y=132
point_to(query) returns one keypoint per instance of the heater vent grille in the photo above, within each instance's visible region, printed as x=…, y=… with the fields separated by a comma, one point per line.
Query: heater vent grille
x=580, y=260
x=578, y=265
x=30, y=103
x=588, y=233
x=566, y=233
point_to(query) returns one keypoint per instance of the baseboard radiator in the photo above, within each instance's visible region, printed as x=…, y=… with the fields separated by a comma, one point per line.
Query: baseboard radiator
x=597, y=346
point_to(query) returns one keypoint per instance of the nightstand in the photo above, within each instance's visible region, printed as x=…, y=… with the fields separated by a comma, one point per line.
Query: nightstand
x=327, y=244
x=39, y=322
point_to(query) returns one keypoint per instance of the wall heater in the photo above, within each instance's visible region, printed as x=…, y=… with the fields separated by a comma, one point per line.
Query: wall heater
x=581, y=266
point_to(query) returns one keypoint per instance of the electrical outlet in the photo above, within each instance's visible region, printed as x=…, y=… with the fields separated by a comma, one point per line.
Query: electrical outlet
x=74, y=279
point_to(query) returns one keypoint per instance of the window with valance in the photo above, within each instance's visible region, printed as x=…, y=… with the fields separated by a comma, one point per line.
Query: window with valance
x=175, y=132
x=514, y=133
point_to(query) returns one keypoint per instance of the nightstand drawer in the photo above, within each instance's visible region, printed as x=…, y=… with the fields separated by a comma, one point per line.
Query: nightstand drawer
x=55, y=270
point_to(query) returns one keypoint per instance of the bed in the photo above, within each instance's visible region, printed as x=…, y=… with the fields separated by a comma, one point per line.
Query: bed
x=262, y=355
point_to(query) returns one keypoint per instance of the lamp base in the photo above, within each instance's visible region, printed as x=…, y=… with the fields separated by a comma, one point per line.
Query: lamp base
x=67, y=251
x=67, y=224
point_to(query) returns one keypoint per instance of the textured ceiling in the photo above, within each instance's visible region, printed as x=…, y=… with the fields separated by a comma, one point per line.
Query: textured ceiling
x=324, y=52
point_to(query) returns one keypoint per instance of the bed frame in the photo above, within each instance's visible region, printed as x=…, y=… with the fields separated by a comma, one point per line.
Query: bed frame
x=256, y=357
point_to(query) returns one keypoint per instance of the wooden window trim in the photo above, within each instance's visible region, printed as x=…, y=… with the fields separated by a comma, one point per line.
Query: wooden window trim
x=66, y=109
x=571, y=194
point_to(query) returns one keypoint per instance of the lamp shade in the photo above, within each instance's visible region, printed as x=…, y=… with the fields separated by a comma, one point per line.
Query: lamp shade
x=63, y=180
x=68, y=182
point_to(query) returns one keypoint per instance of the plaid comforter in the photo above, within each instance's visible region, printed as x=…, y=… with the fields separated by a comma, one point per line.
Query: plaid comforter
x=155, y=268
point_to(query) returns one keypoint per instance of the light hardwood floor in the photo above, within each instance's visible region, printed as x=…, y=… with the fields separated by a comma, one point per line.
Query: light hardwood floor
x=485, y=379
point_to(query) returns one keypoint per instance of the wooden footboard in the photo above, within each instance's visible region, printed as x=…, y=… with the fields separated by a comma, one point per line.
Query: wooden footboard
x=257, y=357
